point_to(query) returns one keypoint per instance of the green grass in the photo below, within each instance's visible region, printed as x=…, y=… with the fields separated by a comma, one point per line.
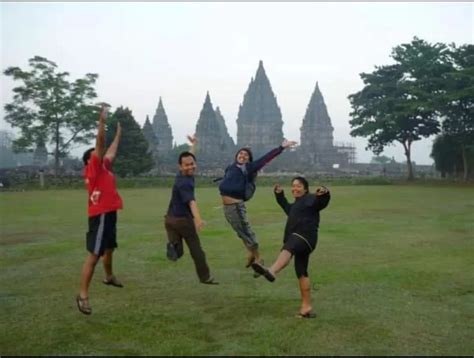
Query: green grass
x=393, y=274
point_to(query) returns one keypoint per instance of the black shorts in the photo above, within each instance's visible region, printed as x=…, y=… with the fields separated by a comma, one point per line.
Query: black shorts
x=102, y=233
x=301, y=248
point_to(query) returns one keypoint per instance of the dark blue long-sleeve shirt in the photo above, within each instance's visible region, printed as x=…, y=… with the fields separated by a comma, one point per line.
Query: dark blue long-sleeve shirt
x=233, y=183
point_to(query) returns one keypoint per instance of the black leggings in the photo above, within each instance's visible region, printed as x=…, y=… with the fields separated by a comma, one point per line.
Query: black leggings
x=300, y=248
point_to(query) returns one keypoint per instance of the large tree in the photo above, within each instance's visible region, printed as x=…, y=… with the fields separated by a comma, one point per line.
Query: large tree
x=448, y=156
x=133, y=157
x=47, y=107
x=397, y=103
x=457, y=102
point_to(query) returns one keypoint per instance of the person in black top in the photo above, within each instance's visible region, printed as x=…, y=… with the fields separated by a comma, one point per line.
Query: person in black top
x=183, y=220
x=301, y=236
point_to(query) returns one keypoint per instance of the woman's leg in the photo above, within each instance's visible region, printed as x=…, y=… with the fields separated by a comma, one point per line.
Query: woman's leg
x=236, y=215
x=301, y=269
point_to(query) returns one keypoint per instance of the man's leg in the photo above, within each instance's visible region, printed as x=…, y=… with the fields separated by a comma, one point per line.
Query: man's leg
x=197, y=253
x=87, y=273
x=107, y=261
x=109, y=244
x=172, y=227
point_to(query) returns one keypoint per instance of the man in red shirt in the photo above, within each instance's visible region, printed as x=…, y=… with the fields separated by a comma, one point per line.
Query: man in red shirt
x=104, y=201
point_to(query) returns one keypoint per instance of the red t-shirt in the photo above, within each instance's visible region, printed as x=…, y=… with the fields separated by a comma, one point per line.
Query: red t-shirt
x=101, y=181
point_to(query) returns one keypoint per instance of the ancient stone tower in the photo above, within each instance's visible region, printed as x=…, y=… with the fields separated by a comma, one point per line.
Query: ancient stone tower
x=226, y=142
x=208, y=132
x=259, y=122
x=162, y=130
x=317, y=146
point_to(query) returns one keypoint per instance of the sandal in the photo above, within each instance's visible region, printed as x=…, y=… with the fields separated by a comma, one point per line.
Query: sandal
x=83, y=305
x=210, y=281
x=113, y=281
x=256, y=274
x=307, y=315
x=261, y=270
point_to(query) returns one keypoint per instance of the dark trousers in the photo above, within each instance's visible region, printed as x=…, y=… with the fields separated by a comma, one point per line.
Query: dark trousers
x=179, y=228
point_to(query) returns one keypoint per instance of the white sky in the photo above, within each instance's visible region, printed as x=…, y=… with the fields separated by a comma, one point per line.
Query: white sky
x=181, y=50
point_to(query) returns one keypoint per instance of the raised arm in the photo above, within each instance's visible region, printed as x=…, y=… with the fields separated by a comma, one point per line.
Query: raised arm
x=100, y=139
x=281, y=199
x=193, y=141
x=112, y=151
x=320, y=199
x=258, y=164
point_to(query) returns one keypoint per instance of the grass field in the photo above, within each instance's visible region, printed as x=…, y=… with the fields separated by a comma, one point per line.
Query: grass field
x=393, y=274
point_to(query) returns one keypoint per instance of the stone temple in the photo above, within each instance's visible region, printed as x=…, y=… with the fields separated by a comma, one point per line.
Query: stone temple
x=260, y=127
x=259, y=122
x=162, y=130
x=215, y=145
x=316, y=146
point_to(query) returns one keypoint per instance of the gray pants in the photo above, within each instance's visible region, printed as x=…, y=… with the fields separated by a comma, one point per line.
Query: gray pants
x=236, y=215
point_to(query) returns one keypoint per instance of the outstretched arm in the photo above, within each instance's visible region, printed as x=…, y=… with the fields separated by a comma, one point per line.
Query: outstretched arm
x=281, y=199
x=112, y=151
x=258, y=164
x=193, y=140
x=100, y=139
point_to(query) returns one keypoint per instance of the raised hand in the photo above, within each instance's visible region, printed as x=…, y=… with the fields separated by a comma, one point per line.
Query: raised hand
x=104, y=111
x=119, y=129
x=321, y=191
x=277, y=188
x=192, y=139
x=288, y=144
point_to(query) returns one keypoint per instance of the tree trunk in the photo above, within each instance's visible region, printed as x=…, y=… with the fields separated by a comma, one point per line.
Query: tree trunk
x=56, y=150
x=407, y=147
x=464, y=162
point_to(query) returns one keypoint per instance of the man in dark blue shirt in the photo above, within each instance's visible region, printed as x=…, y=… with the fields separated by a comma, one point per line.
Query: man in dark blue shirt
x=183, y=220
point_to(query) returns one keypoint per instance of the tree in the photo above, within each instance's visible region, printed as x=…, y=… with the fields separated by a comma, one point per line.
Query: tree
x=48, y=108
x=133, y=157
x=380, y=159
x=398, y=102
x=457, y=102
x=448, y=155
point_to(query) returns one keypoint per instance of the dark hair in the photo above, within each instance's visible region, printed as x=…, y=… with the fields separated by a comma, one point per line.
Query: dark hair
x=245, y=149
x=87, y=155
x=302, y=181
x=185, y=155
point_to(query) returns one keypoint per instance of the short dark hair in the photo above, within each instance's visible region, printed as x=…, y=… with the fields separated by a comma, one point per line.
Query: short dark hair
x=185, y=155
x=87, y=155
x=245, y=149
x=302, y=181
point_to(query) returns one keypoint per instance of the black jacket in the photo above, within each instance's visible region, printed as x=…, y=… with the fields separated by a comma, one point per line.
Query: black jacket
x=303, y=215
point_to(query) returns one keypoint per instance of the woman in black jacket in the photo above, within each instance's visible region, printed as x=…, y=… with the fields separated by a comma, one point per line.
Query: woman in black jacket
x=301, y=236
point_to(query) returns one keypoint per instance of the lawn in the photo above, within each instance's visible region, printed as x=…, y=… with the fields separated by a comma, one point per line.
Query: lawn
x=393, y=274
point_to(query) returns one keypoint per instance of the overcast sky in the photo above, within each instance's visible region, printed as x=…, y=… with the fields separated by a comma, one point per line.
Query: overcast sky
x=181, y=50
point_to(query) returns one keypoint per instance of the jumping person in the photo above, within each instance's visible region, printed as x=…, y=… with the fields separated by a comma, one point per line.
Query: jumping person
x=301, y=236
x=237, y=186
x=183, y=220
x=103, y=203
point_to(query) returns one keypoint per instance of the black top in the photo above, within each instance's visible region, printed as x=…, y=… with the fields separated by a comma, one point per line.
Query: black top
x=303, y=214
x=182, y=194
